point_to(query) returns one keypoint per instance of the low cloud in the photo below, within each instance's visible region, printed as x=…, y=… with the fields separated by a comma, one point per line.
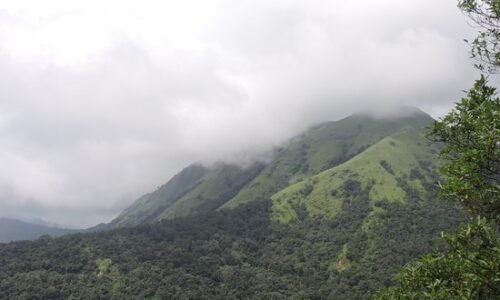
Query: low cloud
x=100, y=105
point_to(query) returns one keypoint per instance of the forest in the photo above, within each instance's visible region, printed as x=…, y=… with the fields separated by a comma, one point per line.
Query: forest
x=231, y=254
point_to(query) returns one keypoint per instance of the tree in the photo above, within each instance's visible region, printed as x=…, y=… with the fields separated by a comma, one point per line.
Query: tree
x=468, y=267
x=471, y=135
x=485, y=14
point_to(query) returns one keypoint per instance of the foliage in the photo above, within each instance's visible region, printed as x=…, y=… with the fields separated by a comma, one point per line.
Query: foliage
x=467, y=268
x=231, y=254
x=471, y=134
x=386, y=166
x=486, y=15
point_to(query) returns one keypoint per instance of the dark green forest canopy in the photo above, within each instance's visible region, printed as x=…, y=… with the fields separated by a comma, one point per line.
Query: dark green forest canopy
x=230, y=254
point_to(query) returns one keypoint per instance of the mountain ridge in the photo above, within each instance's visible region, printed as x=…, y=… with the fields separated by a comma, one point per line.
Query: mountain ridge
x=321, y=147
x=334, y=143
x=339, y=232
x=384, y=166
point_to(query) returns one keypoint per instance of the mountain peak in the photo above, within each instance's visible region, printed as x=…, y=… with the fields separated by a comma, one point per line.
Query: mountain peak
x=394, y=112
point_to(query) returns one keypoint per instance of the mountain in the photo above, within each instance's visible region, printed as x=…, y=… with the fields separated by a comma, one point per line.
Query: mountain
x=198, y=189
x=399, y=168
x=148, y=207
x=218, y=186
x=323, y=147
x=334, y=215
x=13, y=230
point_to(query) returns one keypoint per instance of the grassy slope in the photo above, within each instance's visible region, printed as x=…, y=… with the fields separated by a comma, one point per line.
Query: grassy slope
x=323, y=194
x=197, y=189
x=149, y=206
x=218, y=186
x=321, y=148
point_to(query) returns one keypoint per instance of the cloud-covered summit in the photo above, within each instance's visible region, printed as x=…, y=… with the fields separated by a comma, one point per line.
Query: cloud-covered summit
x=101, y=101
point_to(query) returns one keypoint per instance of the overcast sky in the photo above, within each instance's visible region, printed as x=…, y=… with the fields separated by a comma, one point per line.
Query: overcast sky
x=102, y=101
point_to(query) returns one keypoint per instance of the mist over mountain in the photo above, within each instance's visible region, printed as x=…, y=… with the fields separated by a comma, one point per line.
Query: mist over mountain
x=103, y=102
x=334, y=213
x=249, y=149
x=199, y=188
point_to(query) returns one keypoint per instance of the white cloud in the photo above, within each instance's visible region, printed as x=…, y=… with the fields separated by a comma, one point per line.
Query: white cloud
x=101, y=101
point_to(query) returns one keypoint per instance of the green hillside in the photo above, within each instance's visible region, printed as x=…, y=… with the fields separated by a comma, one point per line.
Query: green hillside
x=397, y=168
x=14, y=230
x=150, y=206
x=218, y=186
x=198, y=189
x=321, y=148
x=339, y=211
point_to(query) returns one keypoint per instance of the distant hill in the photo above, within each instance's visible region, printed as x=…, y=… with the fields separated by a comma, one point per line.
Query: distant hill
x=14, y=230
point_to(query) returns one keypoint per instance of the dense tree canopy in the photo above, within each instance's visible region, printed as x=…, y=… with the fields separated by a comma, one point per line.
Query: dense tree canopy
x=467, y=266
x=234, y=254
x=471, y=134
x=485, y=15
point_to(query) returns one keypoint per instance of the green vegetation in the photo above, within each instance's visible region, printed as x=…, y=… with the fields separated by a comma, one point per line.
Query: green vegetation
x=230, y=254
x=485, y=46
x=198, y=189
x=467, y=266
x=471, y=133
x=322, y=148
x=402, y=153
x=218, y=186
x=334, y=216
x=147, y=208
x=340, y=231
